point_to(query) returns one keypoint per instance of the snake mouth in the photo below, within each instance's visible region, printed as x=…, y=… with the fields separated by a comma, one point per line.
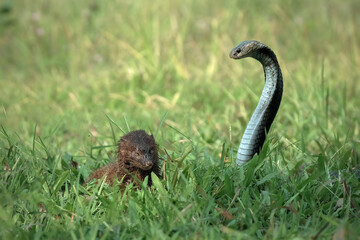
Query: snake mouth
x=235, y=53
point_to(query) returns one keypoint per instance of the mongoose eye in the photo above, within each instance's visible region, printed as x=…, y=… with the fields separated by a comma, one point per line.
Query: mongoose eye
x=135, y=154
x=151, y=151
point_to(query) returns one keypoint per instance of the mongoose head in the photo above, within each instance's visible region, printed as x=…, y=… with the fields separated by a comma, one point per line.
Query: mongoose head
x=138, y=149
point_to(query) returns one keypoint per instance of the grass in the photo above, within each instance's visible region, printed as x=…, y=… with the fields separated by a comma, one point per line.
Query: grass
x=75, y=76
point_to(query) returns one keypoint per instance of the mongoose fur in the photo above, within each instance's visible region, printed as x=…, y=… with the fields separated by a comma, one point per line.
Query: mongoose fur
x=137, y=156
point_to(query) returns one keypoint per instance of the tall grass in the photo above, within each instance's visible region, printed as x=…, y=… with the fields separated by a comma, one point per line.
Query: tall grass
x=77, y=75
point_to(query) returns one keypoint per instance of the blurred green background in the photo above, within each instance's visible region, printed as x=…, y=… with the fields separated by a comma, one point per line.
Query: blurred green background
x=68, y=67
x=66, y=64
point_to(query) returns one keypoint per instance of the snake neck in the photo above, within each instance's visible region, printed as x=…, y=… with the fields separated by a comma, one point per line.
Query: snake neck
x=265, y=112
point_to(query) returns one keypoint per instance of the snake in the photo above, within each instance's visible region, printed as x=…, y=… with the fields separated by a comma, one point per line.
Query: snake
x=270, y=99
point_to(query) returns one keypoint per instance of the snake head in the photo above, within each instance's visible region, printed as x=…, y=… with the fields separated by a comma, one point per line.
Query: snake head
x=245, y=49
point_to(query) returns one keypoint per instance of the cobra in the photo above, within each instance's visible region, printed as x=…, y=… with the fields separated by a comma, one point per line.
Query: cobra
x=265, y=112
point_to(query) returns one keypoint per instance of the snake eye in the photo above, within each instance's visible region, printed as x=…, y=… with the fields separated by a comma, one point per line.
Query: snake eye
x=238, y=50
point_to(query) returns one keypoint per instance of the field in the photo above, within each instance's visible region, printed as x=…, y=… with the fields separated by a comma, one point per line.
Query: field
x=76, y=75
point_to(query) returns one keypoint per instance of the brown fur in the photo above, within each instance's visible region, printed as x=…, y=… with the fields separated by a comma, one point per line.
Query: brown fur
x=136, y=156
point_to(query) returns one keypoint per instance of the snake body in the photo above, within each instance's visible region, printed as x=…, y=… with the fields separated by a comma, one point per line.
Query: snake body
x=264, y=114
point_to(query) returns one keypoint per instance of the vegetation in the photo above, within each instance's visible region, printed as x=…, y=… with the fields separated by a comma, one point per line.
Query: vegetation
x=77, y=75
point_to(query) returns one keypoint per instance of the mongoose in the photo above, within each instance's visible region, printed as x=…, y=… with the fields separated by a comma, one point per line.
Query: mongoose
x=137, y=156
